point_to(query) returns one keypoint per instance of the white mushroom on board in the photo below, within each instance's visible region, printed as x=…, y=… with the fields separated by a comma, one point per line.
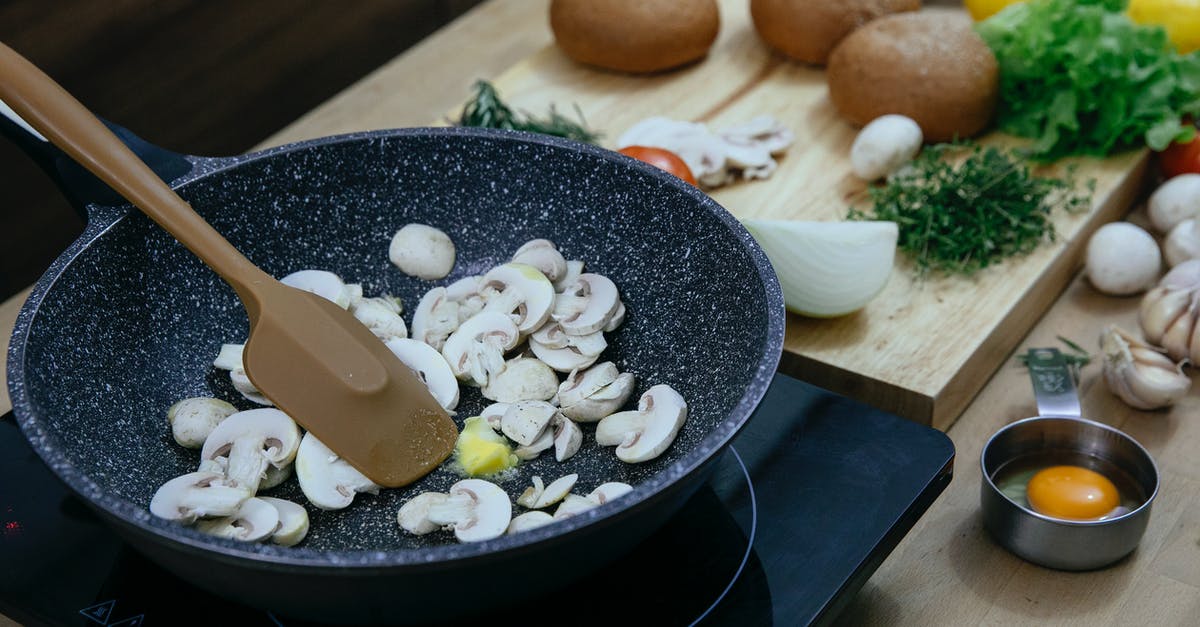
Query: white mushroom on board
x=564, y=352
x=477, y=510
x=196, y=495
x=230, y=358
x=520, y=291
x=586, y=305
x=325, y=284
x=422, y=251
x=476, y=350
x=592, y=394
x=435, y=319
x=192, y=419
x=255, y=520
x=430, y=367
x=644, y=434
x=293, y=521
x=522, y=379
x=381, y=315
x=328, y=481
x=251, y=441
x=529, y=520
x=543, y=255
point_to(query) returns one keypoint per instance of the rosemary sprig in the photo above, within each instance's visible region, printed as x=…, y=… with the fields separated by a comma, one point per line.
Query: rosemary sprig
x=964, y=207
x=487, y=110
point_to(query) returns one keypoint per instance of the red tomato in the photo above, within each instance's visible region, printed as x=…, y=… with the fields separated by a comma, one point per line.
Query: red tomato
x=1180, y=158
x=661, y=159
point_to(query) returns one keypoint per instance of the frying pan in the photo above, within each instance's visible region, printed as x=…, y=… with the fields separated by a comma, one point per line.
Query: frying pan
x=126, y=322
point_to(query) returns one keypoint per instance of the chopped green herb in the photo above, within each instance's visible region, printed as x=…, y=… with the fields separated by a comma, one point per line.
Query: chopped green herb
x=958, y=218
x=486, y=110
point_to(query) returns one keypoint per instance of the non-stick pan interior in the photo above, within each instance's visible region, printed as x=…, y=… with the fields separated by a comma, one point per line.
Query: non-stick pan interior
x=134, y=321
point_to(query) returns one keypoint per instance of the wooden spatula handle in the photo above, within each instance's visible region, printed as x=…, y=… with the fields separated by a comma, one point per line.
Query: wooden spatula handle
x=66, y=123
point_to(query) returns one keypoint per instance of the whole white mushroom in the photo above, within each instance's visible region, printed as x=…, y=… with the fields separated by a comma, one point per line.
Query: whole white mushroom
x=1122, y=259
x=422, y=251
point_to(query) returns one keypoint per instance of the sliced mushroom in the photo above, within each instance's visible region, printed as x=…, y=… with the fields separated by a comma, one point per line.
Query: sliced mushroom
x=574, y=269
x=581, y=384
x=430, y=367
x=422, y=251
x=586, y=305
x=763, y=131
x=520, y=291
x=435, y=319
x=274, y=476
x=255, y=520
x=328, y=481
x=564, y=352
x=476, y=350
x=522, y=379
x=568, y=437
x=602, y=402
x=544, y=442
x=197, y=495
x=413, y=516
x=540, y=497
x=252, y=440
x=192, y=419
x=293, y=521
x=327, y=285
x=543, y=255
x=571, y=505
x=466, y=292
x=478, y=510
x=523, y=422
x=381, y=316
x=606, y=492
x=644, y=434
x=494, y=413
x=230, y=358
x=618, y=318
x=529, y=520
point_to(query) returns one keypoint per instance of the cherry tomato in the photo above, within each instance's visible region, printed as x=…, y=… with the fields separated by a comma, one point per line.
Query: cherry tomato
x=1181, y=158
x=661, y=159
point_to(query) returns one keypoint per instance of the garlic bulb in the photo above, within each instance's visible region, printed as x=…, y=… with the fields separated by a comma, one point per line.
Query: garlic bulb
x=1169, y=312
x=1138, y=374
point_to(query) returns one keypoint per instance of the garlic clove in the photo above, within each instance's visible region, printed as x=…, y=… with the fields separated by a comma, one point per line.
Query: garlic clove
x=1137, y=374
x=1160, y=308
x=1177, y=339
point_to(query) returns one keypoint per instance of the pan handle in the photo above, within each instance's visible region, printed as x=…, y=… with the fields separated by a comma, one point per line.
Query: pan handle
x=79, y=186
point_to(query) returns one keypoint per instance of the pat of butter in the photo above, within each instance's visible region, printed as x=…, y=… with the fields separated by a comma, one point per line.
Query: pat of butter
x=481, y=451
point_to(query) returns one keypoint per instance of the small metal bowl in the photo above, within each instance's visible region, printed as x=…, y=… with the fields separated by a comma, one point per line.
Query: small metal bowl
x=1059, y=430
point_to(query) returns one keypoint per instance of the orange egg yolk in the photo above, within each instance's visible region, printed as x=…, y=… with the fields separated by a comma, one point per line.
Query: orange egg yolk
x=1072, y=492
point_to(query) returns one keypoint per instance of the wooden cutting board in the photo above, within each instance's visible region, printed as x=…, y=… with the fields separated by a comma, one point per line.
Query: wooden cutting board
x=921, y=349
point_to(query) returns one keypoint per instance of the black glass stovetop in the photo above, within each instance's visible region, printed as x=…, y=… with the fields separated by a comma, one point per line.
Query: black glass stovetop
x=812, y=496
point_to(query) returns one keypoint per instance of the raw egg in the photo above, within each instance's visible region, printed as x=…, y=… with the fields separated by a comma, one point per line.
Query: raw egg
x=1072, y=492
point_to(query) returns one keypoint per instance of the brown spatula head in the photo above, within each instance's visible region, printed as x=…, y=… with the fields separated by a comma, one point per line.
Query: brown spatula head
x=318, y=363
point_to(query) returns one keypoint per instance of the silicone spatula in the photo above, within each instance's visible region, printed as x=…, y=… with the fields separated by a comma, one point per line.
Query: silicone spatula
x=313, y=359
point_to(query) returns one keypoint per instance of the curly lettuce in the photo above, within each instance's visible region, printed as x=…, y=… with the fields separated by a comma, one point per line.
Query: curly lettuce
x=1082, y=79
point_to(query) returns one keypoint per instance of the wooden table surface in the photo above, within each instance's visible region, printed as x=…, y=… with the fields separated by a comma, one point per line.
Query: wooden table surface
x=947, y=571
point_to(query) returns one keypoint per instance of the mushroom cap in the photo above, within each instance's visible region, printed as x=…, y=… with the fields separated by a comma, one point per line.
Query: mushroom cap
x=196, y=495
x=543, y=255
x=606, y=492
x=529, y=520
x=413, y=516
x=430, y=367
x=522, y=379
x=586, y=305
x=277, y=433
x=523, y=422
x=571, y=505
x=556, y=491
x=520, y=290
x=602, y=402
x=476, y=350
x=435, y=319
x=644, y=434
x=478, y=509
x=328, y=481
x=255, y=520
x=243, y=385
x=568, y=437
x=581, y=384
x=192, y=419
x=381, y=317
x=325, y=284
x=464, y=288
x=293, y=521
x=422, y=251
x=493, y=414
x=569, y=358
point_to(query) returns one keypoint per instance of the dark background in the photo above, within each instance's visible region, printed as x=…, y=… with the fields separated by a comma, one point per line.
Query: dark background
x=204, y=77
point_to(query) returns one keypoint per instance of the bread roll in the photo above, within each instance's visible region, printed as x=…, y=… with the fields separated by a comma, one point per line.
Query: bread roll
x=807, y=30
x=929, y=66
x=635, y=35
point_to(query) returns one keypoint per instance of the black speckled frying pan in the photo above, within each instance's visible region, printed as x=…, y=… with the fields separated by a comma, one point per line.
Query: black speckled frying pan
x=126, y=322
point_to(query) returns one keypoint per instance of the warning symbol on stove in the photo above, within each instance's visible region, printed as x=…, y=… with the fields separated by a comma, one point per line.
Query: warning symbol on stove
x=136, y=621
x=100, y=611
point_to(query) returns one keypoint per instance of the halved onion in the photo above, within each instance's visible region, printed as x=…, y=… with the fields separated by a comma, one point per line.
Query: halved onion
x=827, y=269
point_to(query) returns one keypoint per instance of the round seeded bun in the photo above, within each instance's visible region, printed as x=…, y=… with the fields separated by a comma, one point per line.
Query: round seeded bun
x=807, y=30
x=929, y=66
x=635, y=35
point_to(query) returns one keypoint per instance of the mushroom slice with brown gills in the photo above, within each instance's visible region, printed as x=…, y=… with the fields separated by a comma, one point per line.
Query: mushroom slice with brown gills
x=435, y=319
x=476, y=350
x=431, y=368
x=543, y=255
x=252, y=440
x=520, y=291
x=196, y=495
x=478, y=510
x=529, y=520
x=586, y=305
x=644, y=434
x=328, y=481
x=564, y=352
x=413, y=516
x=522, y=379
x=592, y=394
x=293, y=521
x=255, y=520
